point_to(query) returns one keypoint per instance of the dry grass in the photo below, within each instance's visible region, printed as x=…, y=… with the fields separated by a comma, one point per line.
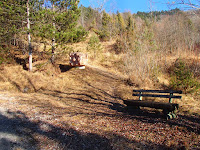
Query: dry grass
x=83, y=109
x=94, y=117
x=48, y=77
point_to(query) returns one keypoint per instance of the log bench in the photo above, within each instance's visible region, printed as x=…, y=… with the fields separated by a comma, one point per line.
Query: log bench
x=169, y=108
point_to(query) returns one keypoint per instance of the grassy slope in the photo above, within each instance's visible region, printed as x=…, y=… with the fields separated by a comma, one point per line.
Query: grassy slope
x=83, y=109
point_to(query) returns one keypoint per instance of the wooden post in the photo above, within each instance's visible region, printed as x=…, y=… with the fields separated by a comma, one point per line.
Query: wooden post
x=170, y=99
x=140, y=97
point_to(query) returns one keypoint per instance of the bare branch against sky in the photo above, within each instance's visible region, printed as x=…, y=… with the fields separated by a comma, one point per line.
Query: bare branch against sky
x=185, y=4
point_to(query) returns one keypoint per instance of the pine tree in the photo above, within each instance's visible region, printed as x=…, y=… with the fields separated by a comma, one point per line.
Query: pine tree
x=66, y=14
x=58, y=22
x=12, y=19
x=106, y=20
x=66, y=21
x=130, y=24
x=17, y=15
x=121, y=23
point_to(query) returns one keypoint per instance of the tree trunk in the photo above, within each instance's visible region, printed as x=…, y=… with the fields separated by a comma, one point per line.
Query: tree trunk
x=29, y=38
x=53, y=39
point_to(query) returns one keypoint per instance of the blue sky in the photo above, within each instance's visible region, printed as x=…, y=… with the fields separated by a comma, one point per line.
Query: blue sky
x=128, y=5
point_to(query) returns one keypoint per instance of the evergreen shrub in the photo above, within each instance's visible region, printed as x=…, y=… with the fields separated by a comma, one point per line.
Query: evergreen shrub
x=182, y=78
x=94, y=45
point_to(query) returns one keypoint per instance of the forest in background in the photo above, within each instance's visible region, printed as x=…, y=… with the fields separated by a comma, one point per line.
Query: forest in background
x=145, y=42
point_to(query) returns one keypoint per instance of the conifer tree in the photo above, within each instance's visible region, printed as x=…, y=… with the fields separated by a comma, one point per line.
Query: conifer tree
x=106, y=20
x=130, y=23
x=66, y=14
x=66, y=21
x=58, y=22
x=12, y=18
x=121, y=24
x=17, y=15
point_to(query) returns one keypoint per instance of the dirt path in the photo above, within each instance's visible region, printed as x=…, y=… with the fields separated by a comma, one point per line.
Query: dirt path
x=11, y=125
x=8, y=135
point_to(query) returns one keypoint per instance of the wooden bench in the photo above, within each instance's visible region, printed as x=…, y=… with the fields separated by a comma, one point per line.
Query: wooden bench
x=169, y=108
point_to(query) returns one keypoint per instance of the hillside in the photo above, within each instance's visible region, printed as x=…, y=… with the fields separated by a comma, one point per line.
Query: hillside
x=59, y=107
x=47, y=104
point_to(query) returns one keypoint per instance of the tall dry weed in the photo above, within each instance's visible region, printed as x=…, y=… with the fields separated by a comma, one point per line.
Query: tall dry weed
x=141, y=56
x=155, y=45
x=141, y=67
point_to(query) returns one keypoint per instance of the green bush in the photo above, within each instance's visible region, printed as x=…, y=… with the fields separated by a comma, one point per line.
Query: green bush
x=79, y=35
x=71, y=36
x=182, y=78
x=94, y=45
x=103, y=35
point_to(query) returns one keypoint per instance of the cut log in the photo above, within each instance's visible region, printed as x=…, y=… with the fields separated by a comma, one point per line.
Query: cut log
x=158, y=105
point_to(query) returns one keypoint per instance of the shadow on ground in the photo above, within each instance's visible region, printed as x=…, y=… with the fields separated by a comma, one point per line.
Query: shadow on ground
x=32, y=134
x=102, y=99
x=93, y=98
x=65, y=68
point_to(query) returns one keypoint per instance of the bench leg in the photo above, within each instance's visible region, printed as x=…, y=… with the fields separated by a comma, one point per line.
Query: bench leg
x=173, y=115
x=175, y=112
x=168, y=114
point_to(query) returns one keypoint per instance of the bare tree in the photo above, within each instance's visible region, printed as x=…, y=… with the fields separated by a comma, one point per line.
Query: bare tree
x=53, y=39
x=186, y=4
x=29, y=37
x=98, y=4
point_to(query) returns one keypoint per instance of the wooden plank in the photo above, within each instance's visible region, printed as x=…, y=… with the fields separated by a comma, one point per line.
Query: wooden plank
x=157, y=105
x=158, y=91
x=161, y=96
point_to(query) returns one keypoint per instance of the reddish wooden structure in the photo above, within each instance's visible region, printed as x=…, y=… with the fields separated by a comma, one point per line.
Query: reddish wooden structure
x=78, y=59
